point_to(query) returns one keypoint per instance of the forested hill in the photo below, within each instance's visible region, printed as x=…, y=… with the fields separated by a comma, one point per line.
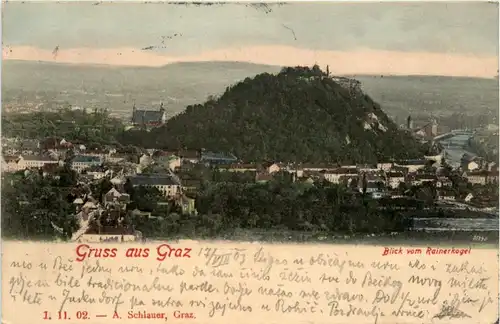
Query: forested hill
x=299, y=114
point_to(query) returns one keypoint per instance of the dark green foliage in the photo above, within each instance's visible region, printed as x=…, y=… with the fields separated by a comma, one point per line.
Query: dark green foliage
x=35, y=207
x=296, y=115
x=94, y=128
x=277, y=205
x=101, y=188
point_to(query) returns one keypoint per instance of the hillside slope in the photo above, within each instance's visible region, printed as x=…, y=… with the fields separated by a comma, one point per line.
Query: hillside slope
x=296, y=115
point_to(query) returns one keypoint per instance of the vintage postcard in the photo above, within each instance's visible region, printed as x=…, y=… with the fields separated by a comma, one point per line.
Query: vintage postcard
x=239, y=162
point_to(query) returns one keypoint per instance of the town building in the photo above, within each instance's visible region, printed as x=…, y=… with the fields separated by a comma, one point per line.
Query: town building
x=492, y=177
x=108, y=234
x=190, y=184
x=145, y=160
x=191, y=156
x=83, y=162
x=394, y=179
x=323, y=167
x=476, y=177
x=164, y=183
x=446, y=195
x=10, y=163
x=217, y=158
x=443, y=182
x=420, y=179
x=239, y=167
x=18, y=146
x=436, y=159
x=96, y=172
x=116, y=196
x=34, y=161
x=120, y=157
x=385, y=166
x=171, y=162
x=187, y=204
x=412, y=165
x=334, y=176
x=492, y=166
x=119, y=179
x=366, y=168
x=149, y=118
x=270, y=167
x=470, y=163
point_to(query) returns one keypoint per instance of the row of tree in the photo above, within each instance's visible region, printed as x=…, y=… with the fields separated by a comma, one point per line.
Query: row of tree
x=90, y=127
x=280, y=204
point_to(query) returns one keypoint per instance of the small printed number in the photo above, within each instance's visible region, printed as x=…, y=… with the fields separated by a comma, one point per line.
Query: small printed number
x=479, y=238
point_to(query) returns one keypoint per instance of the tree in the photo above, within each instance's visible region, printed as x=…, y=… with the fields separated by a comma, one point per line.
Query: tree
x=33, y=208
x=67, y=176
x=145, y=198
x=101, y=188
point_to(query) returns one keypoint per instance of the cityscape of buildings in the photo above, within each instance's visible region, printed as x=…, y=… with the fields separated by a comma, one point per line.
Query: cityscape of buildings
x=163, y=170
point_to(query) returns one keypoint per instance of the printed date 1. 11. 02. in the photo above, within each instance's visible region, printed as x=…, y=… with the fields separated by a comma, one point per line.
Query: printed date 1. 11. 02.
x=65, y=316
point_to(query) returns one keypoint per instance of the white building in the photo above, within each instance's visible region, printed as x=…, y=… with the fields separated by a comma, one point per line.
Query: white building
x=271, y=167
x=34, y=161
x=471, y=166
x=435, y=158
x=335, y=176
x=412, y=165
x=164, y=183
x=10, y=163
x=82, y=162
x=385, y=166
x=476, y=177
x=146, y=159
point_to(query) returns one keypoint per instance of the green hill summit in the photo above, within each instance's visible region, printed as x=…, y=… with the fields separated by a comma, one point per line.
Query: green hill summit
x=300, y=114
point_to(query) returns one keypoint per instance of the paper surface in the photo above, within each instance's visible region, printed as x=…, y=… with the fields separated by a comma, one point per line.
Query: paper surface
x=208, y=282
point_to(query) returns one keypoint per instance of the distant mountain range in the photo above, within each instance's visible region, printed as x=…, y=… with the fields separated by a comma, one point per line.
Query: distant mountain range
x=181, y=84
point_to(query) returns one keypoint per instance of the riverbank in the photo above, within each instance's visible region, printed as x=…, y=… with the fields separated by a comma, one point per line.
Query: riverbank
x=474, y=239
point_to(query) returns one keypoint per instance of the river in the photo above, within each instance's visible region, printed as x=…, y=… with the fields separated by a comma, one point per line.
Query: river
x=456, y=224
x=454, y=149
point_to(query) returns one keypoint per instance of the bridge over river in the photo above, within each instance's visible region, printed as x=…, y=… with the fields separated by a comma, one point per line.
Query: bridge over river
x=455, y=145
x=454, y=133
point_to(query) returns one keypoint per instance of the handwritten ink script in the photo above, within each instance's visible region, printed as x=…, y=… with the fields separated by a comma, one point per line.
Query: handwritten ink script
x=247, y=283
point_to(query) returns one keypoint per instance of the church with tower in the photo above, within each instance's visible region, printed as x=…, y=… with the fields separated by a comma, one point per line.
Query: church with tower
x=149, y=118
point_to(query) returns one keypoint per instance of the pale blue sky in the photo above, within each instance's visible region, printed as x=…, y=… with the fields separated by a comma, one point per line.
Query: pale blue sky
x=464, y=28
